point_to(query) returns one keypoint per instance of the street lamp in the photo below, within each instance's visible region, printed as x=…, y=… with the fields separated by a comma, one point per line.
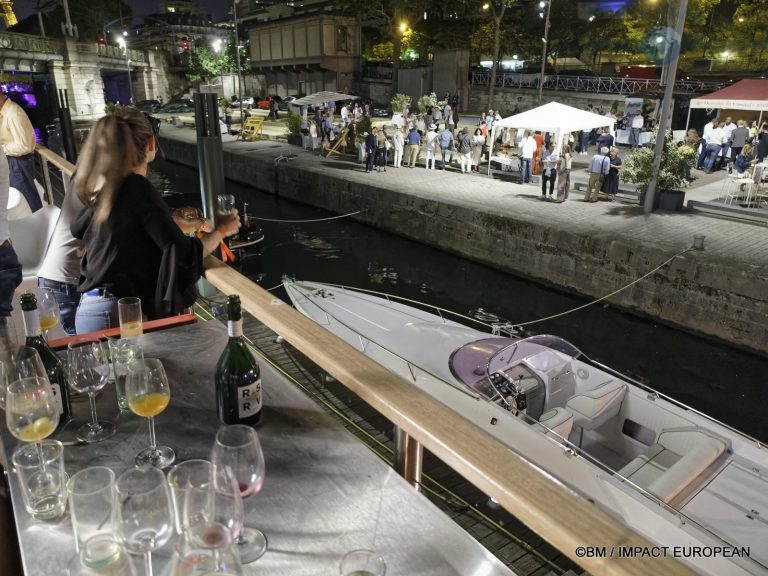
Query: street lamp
x=237, y=53
x=121, y=41
x=217, y=49
x=542, y=4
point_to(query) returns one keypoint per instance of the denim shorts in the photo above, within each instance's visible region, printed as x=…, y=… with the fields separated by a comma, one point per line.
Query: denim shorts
x=97, y=311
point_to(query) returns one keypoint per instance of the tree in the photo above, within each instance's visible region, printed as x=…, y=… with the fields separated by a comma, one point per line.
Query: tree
x=497, y=8
x=395, y=17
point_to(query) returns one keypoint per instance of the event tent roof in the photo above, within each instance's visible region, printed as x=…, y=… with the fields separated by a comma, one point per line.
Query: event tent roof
x=748, y=94
x=557, y=118
x=322, y=98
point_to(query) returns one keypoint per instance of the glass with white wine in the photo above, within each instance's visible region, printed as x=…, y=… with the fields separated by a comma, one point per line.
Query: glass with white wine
x=148, y=394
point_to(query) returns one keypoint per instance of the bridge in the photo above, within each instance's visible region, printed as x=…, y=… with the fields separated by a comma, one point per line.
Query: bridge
x=91, y=73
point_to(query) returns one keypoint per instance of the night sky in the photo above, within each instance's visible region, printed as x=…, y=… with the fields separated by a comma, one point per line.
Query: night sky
x=217, y=8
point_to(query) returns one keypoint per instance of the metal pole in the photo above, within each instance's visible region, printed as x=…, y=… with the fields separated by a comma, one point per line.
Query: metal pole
x=544, y=49
x=128, y=64
x=237, y=56
x=666, y=105
x=67, y=20
x=408, y=458
x=209, y=151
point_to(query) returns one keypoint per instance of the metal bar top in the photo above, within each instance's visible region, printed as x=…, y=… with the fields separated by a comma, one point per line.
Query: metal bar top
x=324, y=494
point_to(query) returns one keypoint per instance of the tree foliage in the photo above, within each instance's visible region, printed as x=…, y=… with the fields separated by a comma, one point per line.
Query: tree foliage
x=205, y=63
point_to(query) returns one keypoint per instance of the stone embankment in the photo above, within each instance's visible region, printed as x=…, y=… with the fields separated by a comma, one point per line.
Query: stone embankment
x=592, y=249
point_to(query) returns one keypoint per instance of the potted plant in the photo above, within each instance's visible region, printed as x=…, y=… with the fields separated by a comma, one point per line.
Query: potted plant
x=677, y=159
x=399, y=102
x=294, y=129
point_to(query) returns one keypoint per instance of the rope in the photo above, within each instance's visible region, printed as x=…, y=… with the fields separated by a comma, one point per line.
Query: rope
x=300, y=221
x=607, y=295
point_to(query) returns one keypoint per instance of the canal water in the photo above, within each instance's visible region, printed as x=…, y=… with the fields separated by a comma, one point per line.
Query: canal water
x=709, y=376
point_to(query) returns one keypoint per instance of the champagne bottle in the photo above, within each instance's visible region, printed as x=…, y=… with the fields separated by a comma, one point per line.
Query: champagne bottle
x=238, y=378
x=54, y=366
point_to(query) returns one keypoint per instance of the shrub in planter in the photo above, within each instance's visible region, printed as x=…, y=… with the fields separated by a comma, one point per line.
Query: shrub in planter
x=399, y=102
x=677, y=159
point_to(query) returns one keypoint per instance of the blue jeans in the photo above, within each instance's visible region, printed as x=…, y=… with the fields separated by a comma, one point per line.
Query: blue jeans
x=712, y=151
x=442, y=151
x=97, y=311
x=634, y=137
x=10, y=277
x=702, y=155
x=68, y=297
x=584, y=144
x=525, y=170
x=21, y=171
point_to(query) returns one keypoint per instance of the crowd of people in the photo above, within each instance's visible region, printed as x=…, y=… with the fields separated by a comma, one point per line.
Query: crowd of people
x=721, y=141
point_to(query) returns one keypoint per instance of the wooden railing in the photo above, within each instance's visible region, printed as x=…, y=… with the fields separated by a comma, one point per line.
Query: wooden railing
x=559, y=515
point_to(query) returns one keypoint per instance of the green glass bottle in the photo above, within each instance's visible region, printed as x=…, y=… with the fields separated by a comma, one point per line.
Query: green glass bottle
x=53, y=364
x=238, y=378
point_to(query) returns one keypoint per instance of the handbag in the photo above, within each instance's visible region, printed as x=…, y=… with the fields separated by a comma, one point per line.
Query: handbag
x=387, y=145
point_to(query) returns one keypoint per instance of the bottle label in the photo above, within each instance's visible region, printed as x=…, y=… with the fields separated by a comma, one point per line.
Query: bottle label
x=56, y=390
x=235, y=328
x=31, y=322
x=249, y=399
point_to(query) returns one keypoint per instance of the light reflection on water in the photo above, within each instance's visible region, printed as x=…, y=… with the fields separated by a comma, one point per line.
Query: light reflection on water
x=714, y=378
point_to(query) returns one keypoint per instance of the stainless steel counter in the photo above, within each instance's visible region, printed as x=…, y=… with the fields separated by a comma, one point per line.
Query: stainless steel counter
x=324, y=494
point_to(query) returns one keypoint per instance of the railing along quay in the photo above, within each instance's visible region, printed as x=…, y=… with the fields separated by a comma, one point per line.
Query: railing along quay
x=595, y=84
x=564, y=518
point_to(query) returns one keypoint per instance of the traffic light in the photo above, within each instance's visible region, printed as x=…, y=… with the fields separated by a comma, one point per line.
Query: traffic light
x=184, y=45
x=102, y=40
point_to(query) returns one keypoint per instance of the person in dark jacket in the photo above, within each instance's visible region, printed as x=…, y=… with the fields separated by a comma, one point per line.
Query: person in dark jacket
x=370, y=148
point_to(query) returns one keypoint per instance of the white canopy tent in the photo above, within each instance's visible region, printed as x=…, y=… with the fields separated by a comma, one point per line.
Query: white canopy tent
x=321, y=98
x=553, y=117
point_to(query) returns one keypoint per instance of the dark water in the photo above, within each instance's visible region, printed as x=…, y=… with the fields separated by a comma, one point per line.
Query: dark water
x=711, y=377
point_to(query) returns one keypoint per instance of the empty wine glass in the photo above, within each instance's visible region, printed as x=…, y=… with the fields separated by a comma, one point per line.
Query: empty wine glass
x=88, y=371
x=141, y=514
x=148, y=394
x=48, y=307
x=206, y=550
x=9, y=372
x=237, y=448
x=225, y=203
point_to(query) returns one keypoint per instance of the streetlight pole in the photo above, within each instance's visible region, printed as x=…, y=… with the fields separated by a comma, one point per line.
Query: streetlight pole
x=237, y=56
x=124, y=45
x=217, y=49
x=544, y=41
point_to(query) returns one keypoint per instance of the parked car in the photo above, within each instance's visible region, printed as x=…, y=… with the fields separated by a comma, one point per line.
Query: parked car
x=283, y=104
x=177, y=105
x=147, y=105
x=246, y=101
x=264, y=104
x=576, y=72
x=380, y=111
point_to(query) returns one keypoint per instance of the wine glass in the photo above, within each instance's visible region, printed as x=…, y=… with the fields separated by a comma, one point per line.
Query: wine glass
x=237, y=448
x=30, y=409
x=9, y=372
x=48, y=307
x=225, y=203
x=88, y=371
x=206, y=550
x=141, y=515
x=148, y=394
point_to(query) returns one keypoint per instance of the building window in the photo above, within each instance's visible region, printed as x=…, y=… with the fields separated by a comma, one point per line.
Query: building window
x=342, y=38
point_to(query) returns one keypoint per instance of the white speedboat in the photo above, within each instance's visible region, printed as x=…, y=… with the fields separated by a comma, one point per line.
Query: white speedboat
x=683, y=480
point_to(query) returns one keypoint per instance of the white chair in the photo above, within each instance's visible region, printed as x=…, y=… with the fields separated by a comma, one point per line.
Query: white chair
x=593, y=408
x=30, y=237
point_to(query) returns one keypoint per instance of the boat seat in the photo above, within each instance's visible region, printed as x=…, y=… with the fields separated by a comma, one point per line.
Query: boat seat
x=595, y=407
x=678, y=457
x=30, y=236
x=557, y=420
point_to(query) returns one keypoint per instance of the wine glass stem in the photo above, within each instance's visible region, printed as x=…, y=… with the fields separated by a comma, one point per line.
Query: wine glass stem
x=148, y=563
x=40, y=455
x=152, y=441
x=92, y=402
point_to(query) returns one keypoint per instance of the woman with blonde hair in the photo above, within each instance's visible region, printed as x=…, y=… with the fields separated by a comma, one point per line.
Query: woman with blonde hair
x=564, y=174
x=132, y=245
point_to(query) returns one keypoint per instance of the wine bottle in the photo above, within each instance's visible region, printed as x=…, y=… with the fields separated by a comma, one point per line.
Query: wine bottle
x=54, y=366
x=238, y=378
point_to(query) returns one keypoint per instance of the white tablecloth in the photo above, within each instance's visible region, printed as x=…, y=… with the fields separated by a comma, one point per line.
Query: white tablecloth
x=622, y=137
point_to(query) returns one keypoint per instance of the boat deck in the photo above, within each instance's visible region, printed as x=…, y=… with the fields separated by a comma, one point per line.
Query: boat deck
x=511, y=541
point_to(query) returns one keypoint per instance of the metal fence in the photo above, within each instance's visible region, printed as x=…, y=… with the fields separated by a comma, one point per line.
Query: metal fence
x=594, y=84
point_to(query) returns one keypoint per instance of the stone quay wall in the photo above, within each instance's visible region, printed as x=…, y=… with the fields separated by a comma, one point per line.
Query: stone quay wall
x=698, y=291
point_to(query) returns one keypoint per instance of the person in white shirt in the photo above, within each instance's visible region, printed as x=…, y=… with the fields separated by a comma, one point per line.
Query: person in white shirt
x=398, y=143
x=728, y=129
x=345, y=115
x=430, y=139
x=550, y=158
x=714, y=145
x=636, y=127
x=705, y=135
x=527, y=150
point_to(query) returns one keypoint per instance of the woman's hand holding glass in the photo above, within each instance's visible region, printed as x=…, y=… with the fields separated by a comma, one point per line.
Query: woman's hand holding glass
x=88, y=371
x=148, y=394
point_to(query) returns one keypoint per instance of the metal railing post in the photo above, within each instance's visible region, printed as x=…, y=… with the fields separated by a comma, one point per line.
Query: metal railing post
x=408, y=458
